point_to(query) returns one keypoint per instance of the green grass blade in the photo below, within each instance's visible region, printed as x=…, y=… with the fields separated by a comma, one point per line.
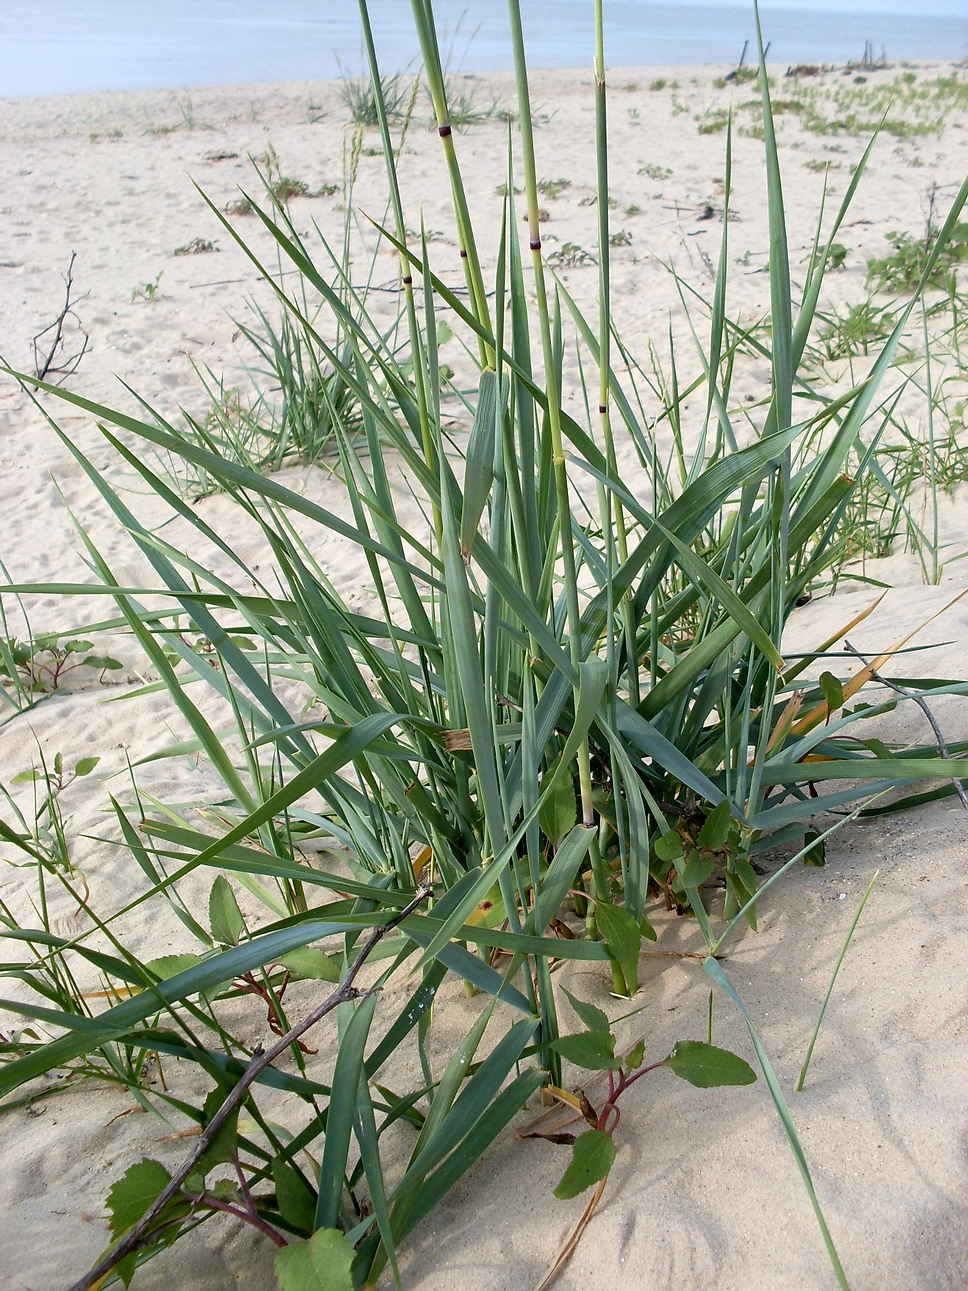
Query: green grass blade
x=783, y=1111
x=801, y=1077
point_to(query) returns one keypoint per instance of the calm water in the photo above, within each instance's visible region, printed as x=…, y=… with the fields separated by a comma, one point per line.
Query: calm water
x=64, y=46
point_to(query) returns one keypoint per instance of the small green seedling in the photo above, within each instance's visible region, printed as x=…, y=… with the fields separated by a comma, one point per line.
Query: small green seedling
x=45, y=837
x=149, y=291
x=40, y=664
x=593, y=1151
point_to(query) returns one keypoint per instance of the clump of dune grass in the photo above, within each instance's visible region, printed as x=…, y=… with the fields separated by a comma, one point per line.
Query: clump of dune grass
x=564, y=704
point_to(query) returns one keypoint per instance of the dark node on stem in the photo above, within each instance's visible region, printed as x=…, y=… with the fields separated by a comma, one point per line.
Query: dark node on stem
x=602, y=409
x=444, y=131
x=408, y=281
x=463, y=254
x=535, y=244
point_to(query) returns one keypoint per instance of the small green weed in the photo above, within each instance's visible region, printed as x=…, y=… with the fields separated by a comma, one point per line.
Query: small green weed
x=593, y=1149
x=855, y=330
x=40, y=664
x=553, y=188
x=150, y=290
x=712, y=122
x=45, y=837
x=902, y=268
x=655, y=172
x=570, y=256
x=197, y=247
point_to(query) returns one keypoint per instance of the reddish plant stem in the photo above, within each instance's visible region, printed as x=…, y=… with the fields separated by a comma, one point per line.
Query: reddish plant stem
x=213, y=1203
x=617, y=1088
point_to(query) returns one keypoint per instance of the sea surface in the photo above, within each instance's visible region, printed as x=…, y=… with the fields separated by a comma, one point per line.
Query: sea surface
x=71, y=46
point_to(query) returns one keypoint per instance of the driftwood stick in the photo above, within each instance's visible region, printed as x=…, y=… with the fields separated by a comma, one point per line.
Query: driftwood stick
x=136, y=1236
x=923, y=705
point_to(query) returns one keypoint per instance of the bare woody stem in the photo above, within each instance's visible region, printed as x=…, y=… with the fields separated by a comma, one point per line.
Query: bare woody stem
x=136, y=1236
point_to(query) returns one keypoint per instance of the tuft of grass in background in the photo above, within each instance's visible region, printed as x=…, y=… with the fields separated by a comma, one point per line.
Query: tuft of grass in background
x=360, y=98
x=562, y=703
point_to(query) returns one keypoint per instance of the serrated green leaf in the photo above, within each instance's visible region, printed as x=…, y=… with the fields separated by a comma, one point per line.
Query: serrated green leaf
x=58, y=764
x=320, y=1264
x=168, y=965
x=706, y=1066
x=669, y=846
x=623, y=939
x=592, y=1156
x=310, y=965
x=131, y=1195
x=85, y=766
x=70, y=647
x=594, y=1018
x=224, y=916
x=715, y=830
x=295, y=1200
x=128, y=1200
x=592, y=1049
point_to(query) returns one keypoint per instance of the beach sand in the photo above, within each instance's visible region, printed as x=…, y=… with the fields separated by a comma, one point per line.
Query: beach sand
x=705, y=1191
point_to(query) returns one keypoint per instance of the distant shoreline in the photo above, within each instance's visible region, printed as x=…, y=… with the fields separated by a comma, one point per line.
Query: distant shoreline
x=62, y=48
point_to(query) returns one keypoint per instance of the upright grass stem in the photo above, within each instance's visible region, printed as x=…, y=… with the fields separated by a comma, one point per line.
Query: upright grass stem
x=433, y=67
x=553, y=407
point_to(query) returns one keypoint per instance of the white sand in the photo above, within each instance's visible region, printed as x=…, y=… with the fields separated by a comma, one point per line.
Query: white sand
x=705, y=1191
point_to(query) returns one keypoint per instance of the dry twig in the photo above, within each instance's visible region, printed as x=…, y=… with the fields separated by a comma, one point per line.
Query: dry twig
x=49, y=353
